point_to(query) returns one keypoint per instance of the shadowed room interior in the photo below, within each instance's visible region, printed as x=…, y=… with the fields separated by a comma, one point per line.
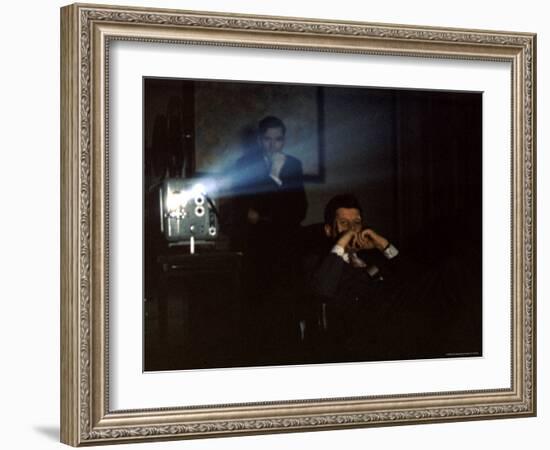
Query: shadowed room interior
x=413, y=159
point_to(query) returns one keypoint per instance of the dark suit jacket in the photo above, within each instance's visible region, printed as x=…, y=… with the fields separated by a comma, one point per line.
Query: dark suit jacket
x=333, y=280
x=271, y=264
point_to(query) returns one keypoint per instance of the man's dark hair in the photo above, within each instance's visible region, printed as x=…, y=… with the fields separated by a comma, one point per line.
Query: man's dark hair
x=271, y=122
x=340, y=201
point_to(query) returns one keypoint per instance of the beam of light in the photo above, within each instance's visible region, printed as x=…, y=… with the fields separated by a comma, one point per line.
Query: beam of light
x=198, y=189
x=351, y=164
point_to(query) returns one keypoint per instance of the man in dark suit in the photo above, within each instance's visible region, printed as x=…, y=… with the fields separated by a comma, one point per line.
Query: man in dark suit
x=350, y=241
x=271, y=181
x=375, y=304
x=352, y=280
x=270, y=205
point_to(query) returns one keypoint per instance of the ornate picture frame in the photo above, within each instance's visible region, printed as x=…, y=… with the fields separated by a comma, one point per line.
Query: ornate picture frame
x=87, y=416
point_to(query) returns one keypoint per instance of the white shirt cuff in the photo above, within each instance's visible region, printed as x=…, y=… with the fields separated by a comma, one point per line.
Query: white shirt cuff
x=338, y=250
x=341, y=252
x=390, y=252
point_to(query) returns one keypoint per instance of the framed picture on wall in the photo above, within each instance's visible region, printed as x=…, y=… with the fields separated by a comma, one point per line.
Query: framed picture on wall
x=258, y=201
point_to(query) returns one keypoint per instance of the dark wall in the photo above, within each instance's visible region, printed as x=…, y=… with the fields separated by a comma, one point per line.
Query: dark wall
x=359, y=142
x=414, y=158
x=439, y=169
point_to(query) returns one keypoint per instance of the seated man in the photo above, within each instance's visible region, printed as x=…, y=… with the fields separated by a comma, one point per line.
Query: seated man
x=350, y=282
x=375, y=304
x=344, y=227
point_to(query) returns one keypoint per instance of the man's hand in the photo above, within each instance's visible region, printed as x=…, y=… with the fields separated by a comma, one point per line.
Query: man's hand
x=345, y=239
x=277, y=161
x=368, y=239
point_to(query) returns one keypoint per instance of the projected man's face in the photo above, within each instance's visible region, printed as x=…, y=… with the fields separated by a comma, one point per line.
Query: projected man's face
x=273, y=140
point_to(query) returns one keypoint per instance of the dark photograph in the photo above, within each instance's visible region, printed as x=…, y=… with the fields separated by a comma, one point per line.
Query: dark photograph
x=294, y=224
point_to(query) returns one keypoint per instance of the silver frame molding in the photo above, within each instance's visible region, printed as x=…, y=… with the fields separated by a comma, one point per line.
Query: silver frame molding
x=86, y=31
